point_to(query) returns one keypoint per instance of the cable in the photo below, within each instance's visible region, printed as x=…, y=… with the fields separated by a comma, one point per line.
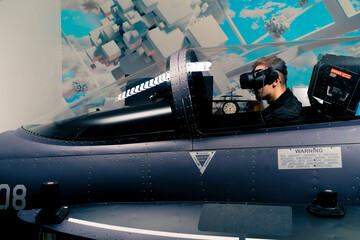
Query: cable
x=262, y=91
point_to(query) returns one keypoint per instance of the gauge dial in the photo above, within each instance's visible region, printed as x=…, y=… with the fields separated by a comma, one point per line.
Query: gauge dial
x=230, y=107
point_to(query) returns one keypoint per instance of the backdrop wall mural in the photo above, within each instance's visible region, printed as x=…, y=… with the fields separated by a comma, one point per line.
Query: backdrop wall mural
x=105, y=40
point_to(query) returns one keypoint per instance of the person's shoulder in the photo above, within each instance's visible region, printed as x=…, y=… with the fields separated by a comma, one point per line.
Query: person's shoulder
x=292, y=99
x=292, y=107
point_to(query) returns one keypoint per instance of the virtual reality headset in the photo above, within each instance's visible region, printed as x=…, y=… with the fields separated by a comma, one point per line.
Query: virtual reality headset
x=258, y=78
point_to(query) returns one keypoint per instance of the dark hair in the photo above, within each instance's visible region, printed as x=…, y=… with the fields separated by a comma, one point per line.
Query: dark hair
x=276, y=62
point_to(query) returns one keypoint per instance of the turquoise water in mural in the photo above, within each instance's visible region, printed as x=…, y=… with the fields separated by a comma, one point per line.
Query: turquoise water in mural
x=67, y=75
x=78, y=23
x=249, y=17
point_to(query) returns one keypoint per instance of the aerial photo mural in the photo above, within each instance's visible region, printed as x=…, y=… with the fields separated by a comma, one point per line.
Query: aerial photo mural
x=104, y=41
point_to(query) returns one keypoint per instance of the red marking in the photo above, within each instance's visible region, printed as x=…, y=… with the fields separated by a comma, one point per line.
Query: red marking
x=340, y=73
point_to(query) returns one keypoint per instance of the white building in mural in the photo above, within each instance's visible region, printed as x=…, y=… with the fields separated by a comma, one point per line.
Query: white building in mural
x=135, y=35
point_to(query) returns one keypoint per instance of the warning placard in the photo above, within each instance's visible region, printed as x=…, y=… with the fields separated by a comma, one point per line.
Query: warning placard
x=309, y=158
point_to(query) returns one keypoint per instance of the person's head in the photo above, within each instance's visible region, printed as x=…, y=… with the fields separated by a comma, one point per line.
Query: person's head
x=274, y=89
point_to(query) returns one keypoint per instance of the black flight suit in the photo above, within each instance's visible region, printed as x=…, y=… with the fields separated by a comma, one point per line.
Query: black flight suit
x=285, y=108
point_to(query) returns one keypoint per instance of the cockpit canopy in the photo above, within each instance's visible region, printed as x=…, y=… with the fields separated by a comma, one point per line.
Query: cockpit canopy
x=184, y=93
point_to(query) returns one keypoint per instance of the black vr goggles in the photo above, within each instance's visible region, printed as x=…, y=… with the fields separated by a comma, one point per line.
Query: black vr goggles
x=258, y=78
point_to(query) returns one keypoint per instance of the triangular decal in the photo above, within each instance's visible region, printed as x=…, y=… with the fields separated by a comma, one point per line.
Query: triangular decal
x=202, y=159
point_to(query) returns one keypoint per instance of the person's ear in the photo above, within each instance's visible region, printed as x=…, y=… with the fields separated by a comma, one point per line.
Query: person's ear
x=276, y=82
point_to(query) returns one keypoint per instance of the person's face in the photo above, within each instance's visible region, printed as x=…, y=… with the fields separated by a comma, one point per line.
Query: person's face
x=268, y=88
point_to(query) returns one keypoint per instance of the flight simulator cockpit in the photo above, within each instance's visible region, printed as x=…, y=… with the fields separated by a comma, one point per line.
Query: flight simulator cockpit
x=197, y=91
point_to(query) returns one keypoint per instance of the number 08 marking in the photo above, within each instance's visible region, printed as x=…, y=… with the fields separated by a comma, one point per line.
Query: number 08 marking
x=19, y=194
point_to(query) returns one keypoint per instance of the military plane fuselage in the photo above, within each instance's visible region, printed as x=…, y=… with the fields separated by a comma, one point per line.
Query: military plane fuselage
x=160, y=136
